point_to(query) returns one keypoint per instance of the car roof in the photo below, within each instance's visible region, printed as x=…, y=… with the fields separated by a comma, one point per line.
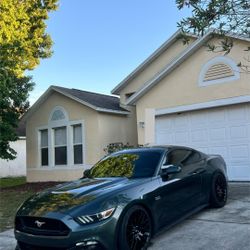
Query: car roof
x=154, y=148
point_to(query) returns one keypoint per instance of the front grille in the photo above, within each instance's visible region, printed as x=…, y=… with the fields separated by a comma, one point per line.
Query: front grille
x=25, y=246
x=41, y=226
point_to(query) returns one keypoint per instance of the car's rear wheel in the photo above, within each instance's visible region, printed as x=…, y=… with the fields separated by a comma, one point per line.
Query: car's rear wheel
x=136, y=229
x=218, y=195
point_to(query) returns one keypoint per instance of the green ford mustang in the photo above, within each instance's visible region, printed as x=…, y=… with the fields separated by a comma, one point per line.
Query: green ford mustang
x=123, y=200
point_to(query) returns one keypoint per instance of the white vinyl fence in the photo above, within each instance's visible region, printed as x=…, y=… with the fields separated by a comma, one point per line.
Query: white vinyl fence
x=16, y=167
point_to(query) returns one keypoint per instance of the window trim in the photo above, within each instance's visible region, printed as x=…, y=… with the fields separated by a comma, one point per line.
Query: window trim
x=218, y=59
x=77, y=144
x=51, y=144
x=40, y=147
x=60, y=145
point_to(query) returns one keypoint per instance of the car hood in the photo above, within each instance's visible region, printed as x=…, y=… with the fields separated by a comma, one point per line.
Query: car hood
x=67, y=197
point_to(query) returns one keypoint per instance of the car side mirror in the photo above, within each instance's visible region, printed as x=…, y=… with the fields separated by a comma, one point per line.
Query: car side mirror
x=86, y=173
x=169, y=169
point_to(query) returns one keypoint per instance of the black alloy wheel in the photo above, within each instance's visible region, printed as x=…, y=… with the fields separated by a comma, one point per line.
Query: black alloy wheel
x=136, y=229
x=219, y=190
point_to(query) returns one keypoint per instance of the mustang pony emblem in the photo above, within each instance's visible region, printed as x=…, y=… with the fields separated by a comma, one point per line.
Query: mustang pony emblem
x=39, y=223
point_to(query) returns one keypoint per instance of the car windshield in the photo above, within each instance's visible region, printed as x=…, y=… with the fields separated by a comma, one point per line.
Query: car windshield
x=136, y=164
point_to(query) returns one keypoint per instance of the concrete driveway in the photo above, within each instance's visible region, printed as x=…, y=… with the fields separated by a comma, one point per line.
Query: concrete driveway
x=227, y=228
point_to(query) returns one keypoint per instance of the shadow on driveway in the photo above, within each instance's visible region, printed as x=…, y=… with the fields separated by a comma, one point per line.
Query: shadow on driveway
x=226, y=228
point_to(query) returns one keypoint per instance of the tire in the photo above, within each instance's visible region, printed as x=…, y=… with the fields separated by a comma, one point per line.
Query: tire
x=135, y=230
x=218, y=195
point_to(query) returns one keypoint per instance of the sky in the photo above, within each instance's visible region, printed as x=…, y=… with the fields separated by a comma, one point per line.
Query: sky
x=97, y=43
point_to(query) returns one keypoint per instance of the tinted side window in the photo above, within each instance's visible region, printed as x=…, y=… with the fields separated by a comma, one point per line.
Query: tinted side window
x=193, y=157
x=178, y=156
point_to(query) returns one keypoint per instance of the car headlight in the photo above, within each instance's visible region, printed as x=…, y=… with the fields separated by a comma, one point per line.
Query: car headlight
x=88, y=219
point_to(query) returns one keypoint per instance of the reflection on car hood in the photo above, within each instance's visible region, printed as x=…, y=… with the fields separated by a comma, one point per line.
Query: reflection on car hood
x=66, y=197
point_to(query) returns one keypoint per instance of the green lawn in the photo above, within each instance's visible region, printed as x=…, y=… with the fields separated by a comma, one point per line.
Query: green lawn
x=13, y=192
x=10, y=201
x=11, y=182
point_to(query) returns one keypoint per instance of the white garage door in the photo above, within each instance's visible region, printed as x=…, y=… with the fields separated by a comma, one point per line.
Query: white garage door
x=224, y=131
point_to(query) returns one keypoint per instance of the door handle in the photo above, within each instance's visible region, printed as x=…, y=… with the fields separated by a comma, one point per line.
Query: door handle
x=199, y=171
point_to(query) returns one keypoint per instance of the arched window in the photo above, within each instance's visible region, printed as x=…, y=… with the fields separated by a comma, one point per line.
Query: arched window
x=220, y=69
x=61, y=142
x=58, y=114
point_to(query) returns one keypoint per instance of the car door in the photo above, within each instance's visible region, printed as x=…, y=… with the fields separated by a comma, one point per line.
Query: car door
x=180, y=192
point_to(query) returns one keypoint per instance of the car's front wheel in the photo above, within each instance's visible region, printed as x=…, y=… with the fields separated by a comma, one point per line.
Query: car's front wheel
x=136, y=229
x=218, y=195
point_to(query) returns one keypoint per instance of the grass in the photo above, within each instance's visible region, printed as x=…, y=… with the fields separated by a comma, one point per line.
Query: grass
x=11, y=182
x=13, y=192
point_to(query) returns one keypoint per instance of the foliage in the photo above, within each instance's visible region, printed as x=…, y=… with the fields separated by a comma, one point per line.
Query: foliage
x=226, y=16
x=115, y=166
x=14, y=92
x=23, y=42
x=114, y=147
x=23, y=37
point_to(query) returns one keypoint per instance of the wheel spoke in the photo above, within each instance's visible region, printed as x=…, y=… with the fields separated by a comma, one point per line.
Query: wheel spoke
x=138, y=230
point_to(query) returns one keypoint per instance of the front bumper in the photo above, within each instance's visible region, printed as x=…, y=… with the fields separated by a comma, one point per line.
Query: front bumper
x=79, y=237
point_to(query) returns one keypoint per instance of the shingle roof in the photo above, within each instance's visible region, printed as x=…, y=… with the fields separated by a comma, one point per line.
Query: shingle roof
x=97, y=100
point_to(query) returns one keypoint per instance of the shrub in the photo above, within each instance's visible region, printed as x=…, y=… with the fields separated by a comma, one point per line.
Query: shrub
x=113, y=147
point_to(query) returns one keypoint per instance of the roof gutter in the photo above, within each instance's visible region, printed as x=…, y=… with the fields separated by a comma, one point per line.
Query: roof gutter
x=170, y=67
x=145, y=63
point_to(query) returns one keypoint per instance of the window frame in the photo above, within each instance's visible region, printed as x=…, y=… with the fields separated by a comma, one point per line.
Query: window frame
x=43, y=147
x=55, y=146
x=51, y=126
x=77, y=144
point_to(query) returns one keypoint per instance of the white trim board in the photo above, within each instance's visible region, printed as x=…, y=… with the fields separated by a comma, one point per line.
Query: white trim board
x=146, y=62
x=52, y=88
x=203, y=105
x=173, y=64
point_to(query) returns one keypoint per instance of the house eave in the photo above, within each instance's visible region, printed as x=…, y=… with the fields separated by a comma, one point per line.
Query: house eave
x=118, y=112
x=145, y=63
x=54, y=88
x=176, y=62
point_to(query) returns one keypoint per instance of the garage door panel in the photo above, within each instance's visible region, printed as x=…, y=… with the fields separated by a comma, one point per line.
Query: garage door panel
x=239, y=132
x=181, y=121
x=237, y=114
x=218, y=116
x=164, y=124
x=236, y=172
x=217, y=134
x=224, y=131
x=239, y=152
x=162, y=138
x=198, y=120
x=199, y=136
x=181, y=137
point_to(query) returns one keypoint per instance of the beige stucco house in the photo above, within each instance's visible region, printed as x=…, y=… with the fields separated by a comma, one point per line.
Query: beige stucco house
x=181, y=94
x=67, y=130
x=187, y=95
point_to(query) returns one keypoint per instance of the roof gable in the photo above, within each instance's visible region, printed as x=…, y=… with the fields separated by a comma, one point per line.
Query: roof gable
x=95, y=101
x=175, y=63
x=166, y=45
